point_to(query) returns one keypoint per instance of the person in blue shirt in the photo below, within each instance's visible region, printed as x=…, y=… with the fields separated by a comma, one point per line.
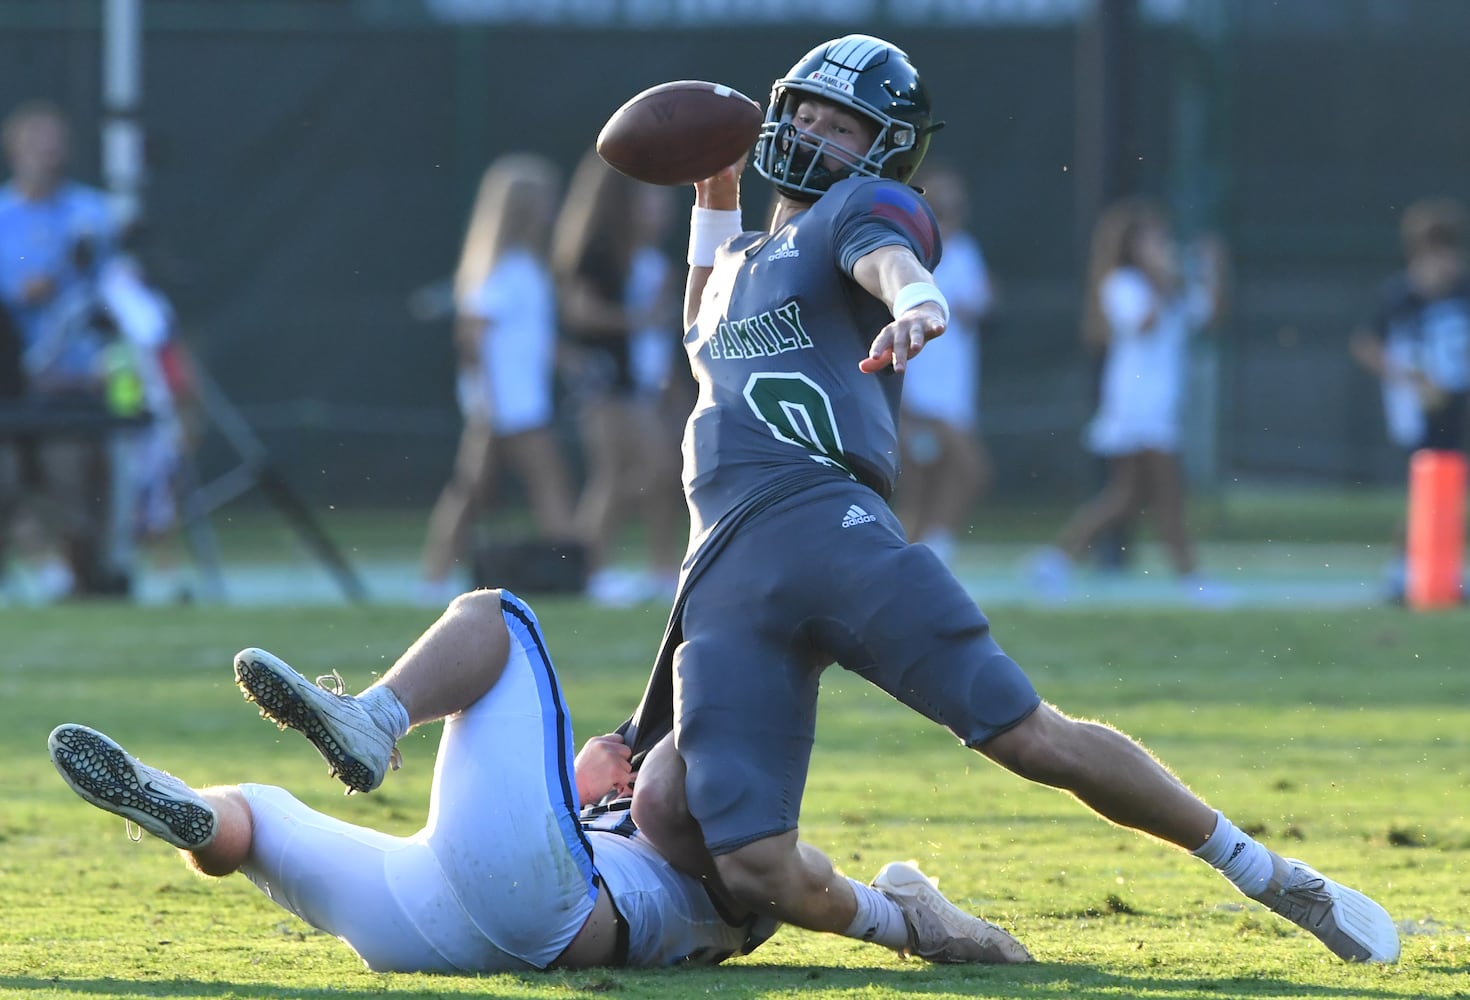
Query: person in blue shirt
x=1418, y=340
x=52, y=229
x=54, y=234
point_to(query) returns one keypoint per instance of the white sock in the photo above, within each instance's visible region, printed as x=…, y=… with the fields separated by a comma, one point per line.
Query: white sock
x=878, y=918
x=386, y=710
x=1237, y=856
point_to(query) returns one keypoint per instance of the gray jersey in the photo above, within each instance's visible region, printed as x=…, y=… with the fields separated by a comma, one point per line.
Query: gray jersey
x=796, y=561
x=782, y=406
x=781, y=328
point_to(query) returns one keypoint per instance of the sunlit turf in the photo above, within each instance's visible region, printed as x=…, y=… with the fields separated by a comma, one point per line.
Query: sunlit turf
x=1341, y=737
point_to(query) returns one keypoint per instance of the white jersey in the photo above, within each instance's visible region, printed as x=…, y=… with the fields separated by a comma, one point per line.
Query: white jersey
x=1143, y=375
x=651, y=347
x=502, y=876
x=670, y=916
x=515, y=380
x=943, y=383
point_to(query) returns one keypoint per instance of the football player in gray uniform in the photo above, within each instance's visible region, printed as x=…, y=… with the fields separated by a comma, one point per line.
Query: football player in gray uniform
x=799, y=336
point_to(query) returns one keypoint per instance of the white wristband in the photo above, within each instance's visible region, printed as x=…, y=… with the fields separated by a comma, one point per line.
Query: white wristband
x=916, y=294
x=708, y=228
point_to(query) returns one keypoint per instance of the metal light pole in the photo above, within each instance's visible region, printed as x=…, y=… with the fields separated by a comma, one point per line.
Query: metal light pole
x=123, y=168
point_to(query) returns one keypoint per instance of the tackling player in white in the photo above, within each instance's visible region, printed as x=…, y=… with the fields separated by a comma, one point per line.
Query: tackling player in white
x=503, y=876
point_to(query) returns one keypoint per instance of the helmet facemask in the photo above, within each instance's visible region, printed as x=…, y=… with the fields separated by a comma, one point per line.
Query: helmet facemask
x=809, y=164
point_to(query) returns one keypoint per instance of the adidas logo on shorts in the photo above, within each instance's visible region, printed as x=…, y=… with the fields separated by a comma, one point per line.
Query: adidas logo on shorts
x=856, y=515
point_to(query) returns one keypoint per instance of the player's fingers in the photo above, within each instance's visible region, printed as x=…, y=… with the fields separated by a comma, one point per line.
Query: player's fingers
x=929, y=328
x=915, y=334
x=618, y=754
x=901, y=349
x=725, y=182
x=880, y=354
x=918, y=338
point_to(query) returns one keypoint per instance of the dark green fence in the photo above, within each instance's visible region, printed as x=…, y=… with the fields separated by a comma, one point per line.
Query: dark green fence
x=311, y=164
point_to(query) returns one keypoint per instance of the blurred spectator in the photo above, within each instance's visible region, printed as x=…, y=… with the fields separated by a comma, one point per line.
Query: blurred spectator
x=664, y=387
x=143, y=376
x=1141, y=307
x=946, y=467
x=1418, y=344
x=505, y=343
x=611, y=285
x=54, y=234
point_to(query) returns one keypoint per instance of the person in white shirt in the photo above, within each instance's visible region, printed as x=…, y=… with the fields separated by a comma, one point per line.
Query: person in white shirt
x=506, y=343
x=663, y=389
x=1142, y=311
x=946, y=467
x=618, y=300
x=144, y=460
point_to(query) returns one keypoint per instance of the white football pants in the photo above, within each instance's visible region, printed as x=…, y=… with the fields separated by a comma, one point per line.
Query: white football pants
x=501, y=877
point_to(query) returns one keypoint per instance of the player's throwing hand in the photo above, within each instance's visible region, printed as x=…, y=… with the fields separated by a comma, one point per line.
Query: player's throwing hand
x=904, y=338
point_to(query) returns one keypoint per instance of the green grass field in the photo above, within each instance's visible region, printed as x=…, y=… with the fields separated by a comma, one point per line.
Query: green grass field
x=1343, y=737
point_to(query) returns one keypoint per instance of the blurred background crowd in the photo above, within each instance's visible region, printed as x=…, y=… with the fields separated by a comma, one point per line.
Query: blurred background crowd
x=1188, y=244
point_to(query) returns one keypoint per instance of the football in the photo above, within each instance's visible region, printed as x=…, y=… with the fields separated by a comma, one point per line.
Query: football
x=680, y=132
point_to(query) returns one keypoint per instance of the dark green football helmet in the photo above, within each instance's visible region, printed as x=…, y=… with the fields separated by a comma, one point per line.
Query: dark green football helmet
x=866, y=75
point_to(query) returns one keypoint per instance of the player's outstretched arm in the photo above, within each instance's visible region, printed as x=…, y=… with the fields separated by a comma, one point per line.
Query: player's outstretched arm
x=894, y=276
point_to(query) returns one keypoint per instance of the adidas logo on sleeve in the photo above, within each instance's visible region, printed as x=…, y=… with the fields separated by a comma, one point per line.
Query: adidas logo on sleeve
x=856, y=515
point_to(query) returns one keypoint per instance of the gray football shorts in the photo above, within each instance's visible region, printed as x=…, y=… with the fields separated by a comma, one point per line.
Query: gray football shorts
x=823, y=577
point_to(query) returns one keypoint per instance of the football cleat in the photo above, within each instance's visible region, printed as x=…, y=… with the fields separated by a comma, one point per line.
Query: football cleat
x=357, y=750
x=940, y=931
x=1352, y=926
x=110, y=778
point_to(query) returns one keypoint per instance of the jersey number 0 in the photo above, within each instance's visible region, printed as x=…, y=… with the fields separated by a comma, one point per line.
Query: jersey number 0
x=799, y=412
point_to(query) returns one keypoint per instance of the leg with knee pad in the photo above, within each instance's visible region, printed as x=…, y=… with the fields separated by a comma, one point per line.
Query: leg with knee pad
x=746, y=736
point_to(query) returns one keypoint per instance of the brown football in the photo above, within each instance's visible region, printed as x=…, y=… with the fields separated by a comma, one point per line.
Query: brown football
x=680, y=132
